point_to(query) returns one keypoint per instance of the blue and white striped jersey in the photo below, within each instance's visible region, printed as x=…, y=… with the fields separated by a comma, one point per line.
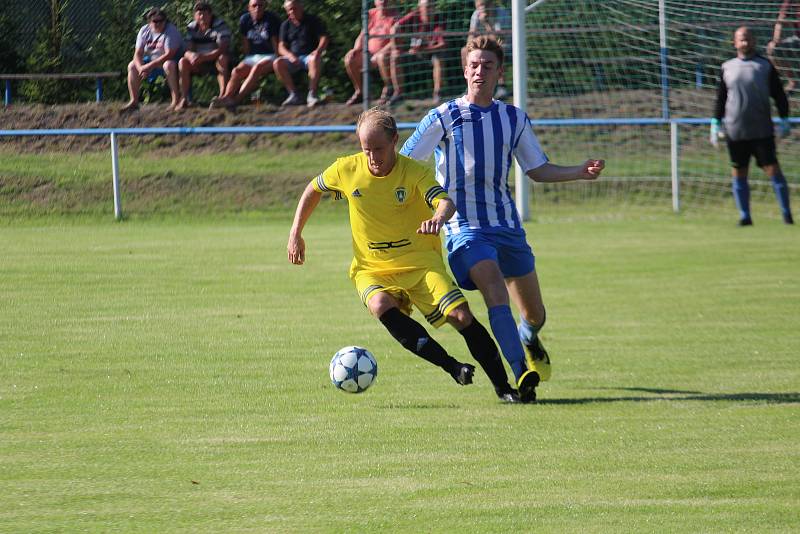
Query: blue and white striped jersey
x=473, y=148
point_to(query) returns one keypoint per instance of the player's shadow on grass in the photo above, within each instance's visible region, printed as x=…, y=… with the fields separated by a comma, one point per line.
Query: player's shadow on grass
x=678, y=395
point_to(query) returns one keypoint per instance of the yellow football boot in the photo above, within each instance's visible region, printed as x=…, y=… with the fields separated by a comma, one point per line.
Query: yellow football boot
x=538, y=360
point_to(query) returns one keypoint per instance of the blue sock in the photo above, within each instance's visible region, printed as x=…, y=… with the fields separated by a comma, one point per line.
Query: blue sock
x=505, y=332
x=782, y=192
x=741, y=194
x=528, y=331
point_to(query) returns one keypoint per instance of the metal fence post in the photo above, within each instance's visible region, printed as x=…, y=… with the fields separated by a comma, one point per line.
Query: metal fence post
x=115, y=174
x=520, y=67
x=674, y=151
x=365, y=54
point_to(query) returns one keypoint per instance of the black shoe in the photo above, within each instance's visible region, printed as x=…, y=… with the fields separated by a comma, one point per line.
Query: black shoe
x=747, y=221
x=527, y=386
x=512, y=397
x=788, y=219
x=506, y=394
x=463, y=374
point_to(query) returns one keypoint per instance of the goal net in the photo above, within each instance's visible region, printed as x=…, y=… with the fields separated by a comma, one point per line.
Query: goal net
x=609, y=67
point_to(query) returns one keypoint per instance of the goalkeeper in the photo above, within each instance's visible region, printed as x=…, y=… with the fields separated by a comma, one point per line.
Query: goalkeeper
x=742, y=117
x=397, y=251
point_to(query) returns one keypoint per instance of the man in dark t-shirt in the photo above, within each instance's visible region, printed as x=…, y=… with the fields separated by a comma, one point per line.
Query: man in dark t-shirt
x=743, y=117
x=303, y=38
x=259, y=29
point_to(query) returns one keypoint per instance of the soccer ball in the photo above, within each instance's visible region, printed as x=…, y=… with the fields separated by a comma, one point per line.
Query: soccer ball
x=353, y=369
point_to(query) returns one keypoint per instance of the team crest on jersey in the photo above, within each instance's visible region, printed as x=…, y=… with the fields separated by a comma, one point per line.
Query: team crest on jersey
x=400, y=194
x=356, y=193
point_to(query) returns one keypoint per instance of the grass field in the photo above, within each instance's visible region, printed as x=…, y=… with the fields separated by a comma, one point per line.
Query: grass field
x=171, y=375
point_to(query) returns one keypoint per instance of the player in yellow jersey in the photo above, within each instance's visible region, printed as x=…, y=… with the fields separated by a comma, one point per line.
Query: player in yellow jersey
x=397, y=255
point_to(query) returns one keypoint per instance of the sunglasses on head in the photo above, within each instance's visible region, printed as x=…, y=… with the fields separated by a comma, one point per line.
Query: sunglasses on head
x=157, y=21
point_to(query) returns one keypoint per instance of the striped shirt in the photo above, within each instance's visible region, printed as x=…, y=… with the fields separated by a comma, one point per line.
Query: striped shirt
x=473, y=148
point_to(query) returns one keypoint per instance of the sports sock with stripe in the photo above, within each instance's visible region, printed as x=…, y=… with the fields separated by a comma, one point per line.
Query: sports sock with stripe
x=413, y=337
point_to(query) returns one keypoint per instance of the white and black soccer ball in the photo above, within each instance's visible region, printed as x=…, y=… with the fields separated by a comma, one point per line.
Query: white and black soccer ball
x=353, y=369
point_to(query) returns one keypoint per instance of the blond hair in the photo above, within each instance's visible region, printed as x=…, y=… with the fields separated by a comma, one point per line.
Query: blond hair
x=488, y=43
x=377, y=118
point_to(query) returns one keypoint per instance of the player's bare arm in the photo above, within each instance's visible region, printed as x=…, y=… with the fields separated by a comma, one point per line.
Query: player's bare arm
x=589, y=170
x=296, y=248
x=444, y=211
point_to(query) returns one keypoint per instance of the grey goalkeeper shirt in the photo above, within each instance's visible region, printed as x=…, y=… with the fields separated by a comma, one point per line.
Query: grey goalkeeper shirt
x=745, y=87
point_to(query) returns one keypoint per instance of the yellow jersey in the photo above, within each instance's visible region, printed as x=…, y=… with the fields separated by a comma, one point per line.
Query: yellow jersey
x=385, y=213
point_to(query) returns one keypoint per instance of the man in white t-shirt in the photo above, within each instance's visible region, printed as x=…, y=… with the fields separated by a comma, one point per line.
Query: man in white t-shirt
x=158, y=48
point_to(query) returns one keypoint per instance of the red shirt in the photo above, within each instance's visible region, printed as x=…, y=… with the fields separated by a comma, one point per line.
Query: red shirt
x=379, y=25
x=412, y=23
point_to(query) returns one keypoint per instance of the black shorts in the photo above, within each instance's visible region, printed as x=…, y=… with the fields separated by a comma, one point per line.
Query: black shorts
x=762, y=149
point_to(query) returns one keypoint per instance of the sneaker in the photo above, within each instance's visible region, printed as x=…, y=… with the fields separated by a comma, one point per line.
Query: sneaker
x=463, y=374
x=501, y=92
x=538, y=359
x=527, y=386
x=788, y=218
x=747, y=221
x=312, y=100
x=292, y=100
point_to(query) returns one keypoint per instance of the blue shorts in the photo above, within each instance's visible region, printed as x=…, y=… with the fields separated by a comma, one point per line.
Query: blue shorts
x=302, y=63
x=505, y=246
x=155, y=73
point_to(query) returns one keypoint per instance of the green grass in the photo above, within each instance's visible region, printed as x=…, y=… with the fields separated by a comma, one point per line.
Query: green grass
x=172, y=376
x=95, y=166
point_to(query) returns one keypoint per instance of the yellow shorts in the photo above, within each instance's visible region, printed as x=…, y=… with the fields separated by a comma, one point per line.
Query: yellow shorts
x=431, y=290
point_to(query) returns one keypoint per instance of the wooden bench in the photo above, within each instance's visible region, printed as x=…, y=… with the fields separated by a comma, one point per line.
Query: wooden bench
x=98, y=76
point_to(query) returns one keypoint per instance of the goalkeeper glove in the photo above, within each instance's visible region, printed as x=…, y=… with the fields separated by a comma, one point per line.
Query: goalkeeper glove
x=717, y=132
x=784, y=128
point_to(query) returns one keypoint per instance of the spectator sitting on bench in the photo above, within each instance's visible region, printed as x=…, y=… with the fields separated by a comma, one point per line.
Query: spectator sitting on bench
x=259, y=29
x=207, y=42
x=303, y=38
x=381, y=19
x=426, y=43
x=158, y=47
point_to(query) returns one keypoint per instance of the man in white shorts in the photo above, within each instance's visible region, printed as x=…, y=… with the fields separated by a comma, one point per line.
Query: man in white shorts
x=259, y=29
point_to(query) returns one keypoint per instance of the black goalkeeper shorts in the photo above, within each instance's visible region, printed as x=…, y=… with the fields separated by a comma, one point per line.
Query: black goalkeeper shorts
x=762, y=149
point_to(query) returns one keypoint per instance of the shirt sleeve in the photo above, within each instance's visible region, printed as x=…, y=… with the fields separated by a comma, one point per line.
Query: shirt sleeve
x=172, y=38
x=528, y=151
x=777, y=93
x=321, y=29
x=140, y=38
x=223, y=34
x=329, y=181
x=283, y=33
x=722, y=97
x=423, y=141
x=431, y=190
